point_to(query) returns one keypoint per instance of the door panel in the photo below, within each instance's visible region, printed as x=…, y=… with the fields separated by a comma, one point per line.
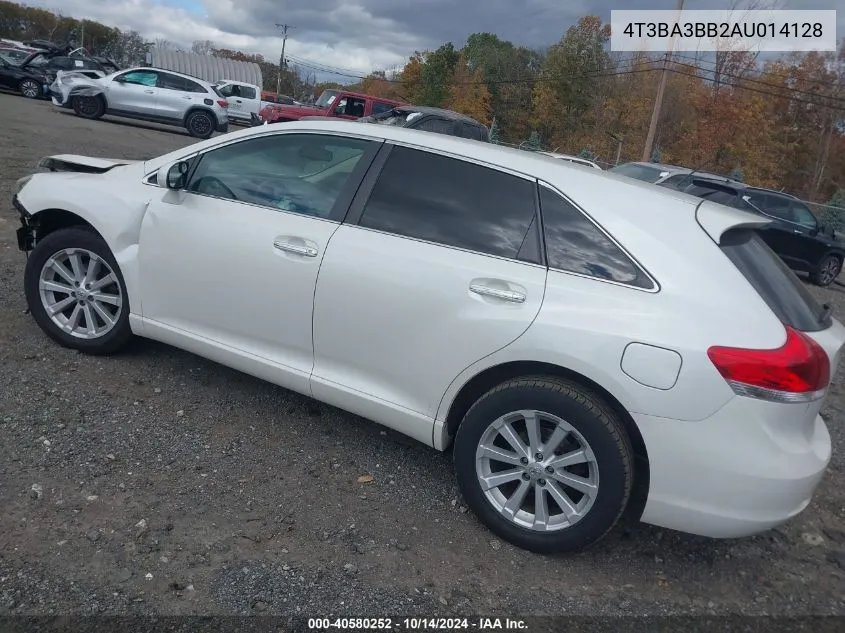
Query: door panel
x=398, y=319
x=424, y=281
x=210, y=267
x=137, y=95
x=234, y=258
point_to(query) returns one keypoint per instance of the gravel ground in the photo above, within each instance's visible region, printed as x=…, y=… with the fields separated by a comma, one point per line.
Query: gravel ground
x=155, y=482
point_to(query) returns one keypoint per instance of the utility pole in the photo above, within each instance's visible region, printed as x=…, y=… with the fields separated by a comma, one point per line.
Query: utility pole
x=82, y=35
x=658, y=101
x=284, y=28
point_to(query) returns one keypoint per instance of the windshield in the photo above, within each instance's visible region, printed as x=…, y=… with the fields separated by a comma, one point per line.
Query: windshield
x=326, y=99
x=399, y=118
x=13, y=56
x=38, y=60
x=639, y=172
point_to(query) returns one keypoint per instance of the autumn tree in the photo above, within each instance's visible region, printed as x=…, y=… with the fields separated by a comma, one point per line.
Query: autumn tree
x=468, y=93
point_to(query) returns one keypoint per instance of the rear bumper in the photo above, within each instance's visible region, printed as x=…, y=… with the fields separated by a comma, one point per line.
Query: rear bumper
x=748, y=468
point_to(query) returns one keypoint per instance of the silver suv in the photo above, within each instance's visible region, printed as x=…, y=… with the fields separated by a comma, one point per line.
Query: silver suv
x=147, y=94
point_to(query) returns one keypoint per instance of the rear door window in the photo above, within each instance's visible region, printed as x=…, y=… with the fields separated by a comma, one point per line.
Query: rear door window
x=426, y=196
x=783, y=292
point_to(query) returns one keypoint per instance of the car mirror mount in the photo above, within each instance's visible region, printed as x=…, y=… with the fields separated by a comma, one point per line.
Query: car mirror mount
x=173, y=175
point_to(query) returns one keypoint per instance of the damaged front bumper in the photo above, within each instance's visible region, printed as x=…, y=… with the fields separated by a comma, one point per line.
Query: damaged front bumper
x=26, y=232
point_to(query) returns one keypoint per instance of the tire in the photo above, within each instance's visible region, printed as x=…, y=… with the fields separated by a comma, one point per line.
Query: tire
x=88, y=107
x=64, y=245
x=30, y=89
x=827, y=271
x=589, y=425
x=200, y=124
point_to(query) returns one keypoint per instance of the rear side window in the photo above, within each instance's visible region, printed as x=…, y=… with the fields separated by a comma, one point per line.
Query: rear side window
x=438, y=126
x=379, y=107
x=451, y=202
x=782, y=291
x=574, y=244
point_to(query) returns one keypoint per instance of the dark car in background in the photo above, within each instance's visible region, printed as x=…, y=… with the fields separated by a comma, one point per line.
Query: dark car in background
x=30, y=82
x=794, y=233
x=435, y=120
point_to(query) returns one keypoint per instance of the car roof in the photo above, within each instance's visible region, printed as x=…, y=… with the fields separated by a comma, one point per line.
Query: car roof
x=614, y=204
x=662, y=166
x=442, y=112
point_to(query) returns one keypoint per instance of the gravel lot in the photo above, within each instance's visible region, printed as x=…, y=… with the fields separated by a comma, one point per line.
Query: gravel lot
x=155, y=482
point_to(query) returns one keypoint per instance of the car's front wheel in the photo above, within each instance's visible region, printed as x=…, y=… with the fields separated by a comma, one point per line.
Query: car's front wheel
x=544, y=463
x=827, y=271
x=76, y=293
x=200, y=124
x=30, y=89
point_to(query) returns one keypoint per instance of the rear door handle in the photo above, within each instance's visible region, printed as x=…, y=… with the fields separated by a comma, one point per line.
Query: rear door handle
x=150, y=92
x=506, y=295
x=296, y=249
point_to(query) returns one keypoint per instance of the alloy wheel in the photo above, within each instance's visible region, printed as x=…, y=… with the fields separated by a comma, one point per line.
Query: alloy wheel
x=829, y=271
x=200, y=125
x=537, y=470
x=29, y=89
x=80, y=293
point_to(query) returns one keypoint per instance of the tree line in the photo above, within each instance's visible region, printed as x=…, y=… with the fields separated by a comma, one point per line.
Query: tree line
x=777, y=124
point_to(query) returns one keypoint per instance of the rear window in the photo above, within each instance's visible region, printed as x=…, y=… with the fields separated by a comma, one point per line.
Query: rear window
x=784, y=293
x=640, y=172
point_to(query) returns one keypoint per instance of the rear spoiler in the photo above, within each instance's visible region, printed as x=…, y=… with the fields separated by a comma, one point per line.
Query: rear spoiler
x=717, y=219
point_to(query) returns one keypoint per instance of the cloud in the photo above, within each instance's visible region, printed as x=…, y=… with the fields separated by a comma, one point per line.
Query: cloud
x=359, y=35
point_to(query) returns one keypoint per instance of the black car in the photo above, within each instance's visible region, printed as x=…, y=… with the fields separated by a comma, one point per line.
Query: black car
x=794, y=232
x=435, y=120
x=30, y=82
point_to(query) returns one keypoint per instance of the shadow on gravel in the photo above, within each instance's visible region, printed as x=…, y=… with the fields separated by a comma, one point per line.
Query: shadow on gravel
x=143, y=125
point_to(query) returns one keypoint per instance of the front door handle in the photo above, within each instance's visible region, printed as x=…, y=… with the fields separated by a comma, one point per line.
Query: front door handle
x=506, y=295
x=296, y=249
x=797, y=232
x=150, y=92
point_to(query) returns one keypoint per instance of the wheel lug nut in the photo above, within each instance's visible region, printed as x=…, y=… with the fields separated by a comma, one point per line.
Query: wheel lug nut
x=523, y=461
x=542, y=482
x=525, y=476
x=538, y=457
x=550, y=470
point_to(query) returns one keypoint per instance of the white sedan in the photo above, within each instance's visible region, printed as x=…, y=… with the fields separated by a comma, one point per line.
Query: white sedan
x=586, y=342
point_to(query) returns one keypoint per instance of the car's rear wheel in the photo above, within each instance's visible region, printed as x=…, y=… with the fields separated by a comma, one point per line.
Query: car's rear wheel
x=30, y=89
x=200, y=124
x=76, y=293
x=88, y=107
x=827, y=271
x=544, y=463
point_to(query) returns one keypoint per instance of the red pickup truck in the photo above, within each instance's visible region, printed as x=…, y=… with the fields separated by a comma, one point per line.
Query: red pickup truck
x=332, y=103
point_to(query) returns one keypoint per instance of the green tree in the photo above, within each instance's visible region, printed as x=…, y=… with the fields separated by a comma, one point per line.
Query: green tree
x=572, y=80
x=655, y=155
x=833, y=216
x=533, y=142
x=494, y=131
x=586, y=153
x=737, y=174
x=437, y=73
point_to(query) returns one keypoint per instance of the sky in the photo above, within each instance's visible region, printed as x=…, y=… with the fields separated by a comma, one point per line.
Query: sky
x=357, y=36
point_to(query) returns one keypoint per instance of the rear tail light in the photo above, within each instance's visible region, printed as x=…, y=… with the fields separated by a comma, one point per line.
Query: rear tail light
x=223, y=103
x=799, y=371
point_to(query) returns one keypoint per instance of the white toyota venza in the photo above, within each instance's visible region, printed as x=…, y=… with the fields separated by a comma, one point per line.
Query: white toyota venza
x=584, y=342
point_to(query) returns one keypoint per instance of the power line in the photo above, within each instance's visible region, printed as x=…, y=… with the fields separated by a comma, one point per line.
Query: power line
x=764, y=83
x=764, y=92
x=755, y=70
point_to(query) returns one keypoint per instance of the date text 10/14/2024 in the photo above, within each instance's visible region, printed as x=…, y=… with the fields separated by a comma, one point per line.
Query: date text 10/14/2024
x=417, y=624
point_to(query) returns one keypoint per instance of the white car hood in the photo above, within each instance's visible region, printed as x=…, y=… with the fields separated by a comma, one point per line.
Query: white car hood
x=85, y=164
